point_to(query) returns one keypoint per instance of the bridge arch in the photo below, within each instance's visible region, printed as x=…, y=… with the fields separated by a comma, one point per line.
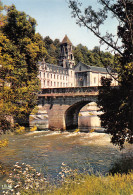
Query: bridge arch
x=71, y=114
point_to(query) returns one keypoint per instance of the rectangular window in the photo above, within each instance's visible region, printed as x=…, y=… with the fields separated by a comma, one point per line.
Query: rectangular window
x=94, y=79
x=51, y=76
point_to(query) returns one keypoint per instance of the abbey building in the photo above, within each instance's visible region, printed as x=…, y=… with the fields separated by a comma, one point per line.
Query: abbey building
x=67, y=74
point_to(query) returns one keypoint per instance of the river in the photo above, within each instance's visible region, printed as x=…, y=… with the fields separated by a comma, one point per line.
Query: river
x=46, y=150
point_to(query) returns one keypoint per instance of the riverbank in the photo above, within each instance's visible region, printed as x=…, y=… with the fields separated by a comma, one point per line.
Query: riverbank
x=93, y=185
x=25, y=180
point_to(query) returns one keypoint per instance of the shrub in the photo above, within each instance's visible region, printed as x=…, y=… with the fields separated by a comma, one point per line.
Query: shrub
x=19, y=130
x=3, y=143
x=33, y=128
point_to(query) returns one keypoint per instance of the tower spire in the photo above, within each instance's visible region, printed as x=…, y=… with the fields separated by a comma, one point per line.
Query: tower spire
x=66, y=57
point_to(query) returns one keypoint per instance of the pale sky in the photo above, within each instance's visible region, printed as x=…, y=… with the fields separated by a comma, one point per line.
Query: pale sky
x=54, y=19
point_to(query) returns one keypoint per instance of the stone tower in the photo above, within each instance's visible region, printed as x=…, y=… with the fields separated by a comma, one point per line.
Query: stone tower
x=66, y=57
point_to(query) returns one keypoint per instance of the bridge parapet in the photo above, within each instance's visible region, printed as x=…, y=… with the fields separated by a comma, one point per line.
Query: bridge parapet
x=69, y=90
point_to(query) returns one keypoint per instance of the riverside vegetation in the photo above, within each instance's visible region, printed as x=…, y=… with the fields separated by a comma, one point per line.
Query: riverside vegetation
x=24, y=179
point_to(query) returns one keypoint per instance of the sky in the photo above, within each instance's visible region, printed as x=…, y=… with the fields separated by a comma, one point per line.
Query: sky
x=54, y=20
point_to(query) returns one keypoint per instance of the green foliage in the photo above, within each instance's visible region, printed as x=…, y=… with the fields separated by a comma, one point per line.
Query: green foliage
x=116, y=112
x=117, y=104
x=53, y=49
x=123, y=165
x=20, y=50
x=93, y=57
x=3, y=143
x=19, y=130
x=81, y=54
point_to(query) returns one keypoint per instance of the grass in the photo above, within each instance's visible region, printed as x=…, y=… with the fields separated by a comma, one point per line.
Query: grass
x=91, y=185
x=96, y=185
x=26, y=181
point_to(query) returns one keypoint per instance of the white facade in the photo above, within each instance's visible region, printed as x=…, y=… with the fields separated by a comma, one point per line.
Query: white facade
x=66, y=74
x=52, y=76
x=86, y=75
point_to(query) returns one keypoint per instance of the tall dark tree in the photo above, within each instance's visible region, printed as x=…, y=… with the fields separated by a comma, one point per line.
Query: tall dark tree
x=53, y=48
x=20, y=50
x=117, y=104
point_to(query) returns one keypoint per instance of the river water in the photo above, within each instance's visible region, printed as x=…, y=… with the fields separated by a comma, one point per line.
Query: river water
x=46, y=150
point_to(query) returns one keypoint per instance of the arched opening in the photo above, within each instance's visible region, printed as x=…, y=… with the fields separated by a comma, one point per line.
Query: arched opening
x=89, y=118
x=71, y=115
x=82, y=115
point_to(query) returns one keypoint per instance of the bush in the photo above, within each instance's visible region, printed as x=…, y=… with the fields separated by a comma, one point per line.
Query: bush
x=123, y=165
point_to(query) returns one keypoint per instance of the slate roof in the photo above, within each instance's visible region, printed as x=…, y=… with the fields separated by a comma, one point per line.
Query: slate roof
x=66, y=40
x=94, y=68
x=55, y=67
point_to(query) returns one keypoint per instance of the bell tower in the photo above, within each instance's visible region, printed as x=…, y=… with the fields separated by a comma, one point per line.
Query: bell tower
x=66, y=58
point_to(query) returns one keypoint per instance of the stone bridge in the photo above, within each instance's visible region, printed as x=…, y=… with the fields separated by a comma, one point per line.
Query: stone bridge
x=63, y=105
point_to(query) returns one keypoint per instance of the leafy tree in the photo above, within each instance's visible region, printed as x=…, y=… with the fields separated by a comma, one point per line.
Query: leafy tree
x=117, y=104
x=92, y=57
x=53, y=48
x=20, y=50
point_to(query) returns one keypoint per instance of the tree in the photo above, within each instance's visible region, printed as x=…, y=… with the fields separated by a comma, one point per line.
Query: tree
x=20, y=50
x=117, y=104
x=53, y=48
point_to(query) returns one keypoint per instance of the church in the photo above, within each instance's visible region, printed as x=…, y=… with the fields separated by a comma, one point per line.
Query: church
x=67, y=74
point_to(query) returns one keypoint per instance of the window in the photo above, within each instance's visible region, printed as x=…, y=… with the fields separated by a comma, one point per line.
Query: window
x=80, y=68
x=60, y=77
x=57, y=76
x=94, y=79
x=54, y=76
x=58, y=84
x=48, y=75
x=44, y=74
x=40, y=74
x=54, y=84
x=51, y=83
x=51, y=76
x=61, y=84
x=48, y=83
